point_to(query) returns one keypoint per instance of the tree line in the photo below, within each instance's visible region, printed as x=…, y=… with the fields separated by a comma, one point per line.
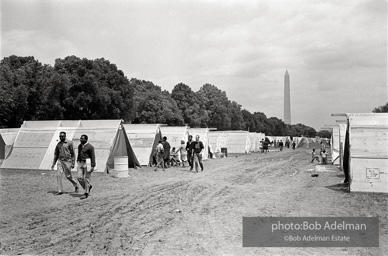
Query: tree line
x=76, y=88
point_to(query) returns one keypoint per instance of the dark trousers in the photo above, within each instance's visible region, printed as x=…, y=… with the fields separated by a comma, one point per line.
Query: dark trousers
x=190, y=158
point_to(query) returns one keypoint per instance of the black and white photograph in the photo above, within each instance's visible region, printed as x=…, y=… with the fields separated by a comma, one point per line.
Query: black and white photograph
x=193, y=127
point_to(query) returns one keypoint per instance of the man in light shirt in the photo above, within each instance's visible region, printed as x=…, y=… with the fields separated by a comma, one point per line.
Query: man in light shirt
x=64, y=155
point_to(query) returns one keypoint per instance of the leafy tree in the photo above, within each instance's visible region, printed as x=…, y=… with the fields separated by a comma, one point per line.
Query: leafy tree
x=236, y=117
x=98, y=90
x=262, y=124
x=381, y=109
x=278, y=127
x=303, y=130
x=21, y=89
x=249, y=121
x=189, y=103
x=324, y=134
x=216, y=104
x=153, y=105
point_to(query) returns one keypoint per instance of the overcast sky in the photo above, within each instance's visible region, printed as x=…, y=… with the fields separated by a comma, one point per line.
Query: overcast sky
x=335, y=51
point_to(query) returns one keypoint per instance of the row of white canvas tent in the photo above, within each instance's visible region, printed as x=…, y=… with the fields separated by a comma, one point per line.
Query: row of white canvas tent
x=360, y=148
x=236, y=142
x=32, y=146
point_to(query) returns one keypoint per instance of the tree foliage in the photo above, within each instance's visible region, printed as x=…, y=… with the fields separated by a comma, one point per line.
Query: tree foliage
x=153, y=105
x=73, y=89
x=381, y=109
x=76, y=88
x=324, y=134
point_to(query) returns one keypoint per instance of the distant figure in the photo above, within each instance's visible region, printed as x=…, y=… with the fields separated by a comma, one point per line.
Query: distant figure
x=281, y=145
x=167, y=148
x=293, y=145
x=262, y=146
x=323, y=146
x=159, y=152
x=197, y=153
x=324, y=157
x=314, y=156
x=174, y=159
x=85, y=151
x=287, y=143
x=183, y=153
x=265, y=146
x=189, y=149
x=64, y=154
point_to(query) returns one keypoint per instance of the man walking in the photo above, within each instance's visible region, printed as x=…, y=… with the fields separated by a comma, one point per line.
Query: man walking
x=189, y=149
x=197, y=153
x=85, y=151
x=64, y=154
x=281, y=145
x=159, y=152
x=167, y=148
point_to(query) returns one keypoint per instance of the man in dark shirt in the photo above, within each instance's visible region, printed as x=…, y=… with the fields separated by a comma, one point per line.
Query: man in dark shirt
x=166, y=154
x=85, y=152
x=189, y=149
x=281, y=145
x=64, y=154
x=197, y=153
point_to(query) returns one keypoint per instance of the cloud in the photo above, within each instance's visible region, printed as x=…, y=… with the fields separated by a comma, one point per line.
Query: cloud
x=335, y=51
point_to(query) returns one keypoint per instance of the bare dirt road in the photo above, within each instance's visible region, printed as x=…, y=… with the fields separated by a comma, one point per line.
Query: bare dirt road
x=178, y=212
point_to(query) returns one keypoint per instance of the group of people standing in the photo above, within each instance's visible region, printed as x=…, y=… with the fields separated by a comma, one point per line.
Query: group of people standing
x=265, y=144
x=64, y=157
x=323, y=154
x=191, y=152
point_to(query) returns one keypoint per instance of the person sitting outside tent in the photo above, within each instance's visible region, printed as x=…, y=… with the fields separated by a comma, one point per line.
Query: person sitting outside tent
x=174, y=157
x=183, y=152
x=324, y=157
x=159, y=156
x=314, y=156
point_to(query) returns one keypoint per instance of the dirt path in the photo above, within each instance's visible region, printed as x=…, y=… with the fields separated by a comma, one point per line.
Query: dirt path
x=178, y=212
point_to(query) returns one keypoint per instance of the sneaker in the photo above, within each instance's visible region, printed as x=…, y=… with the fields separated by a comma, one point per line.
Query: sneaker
x=76, y=189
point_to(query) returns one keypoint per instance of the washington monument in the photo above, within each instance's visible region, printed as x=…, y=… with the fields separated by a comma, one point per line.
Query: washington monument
x=287, y=101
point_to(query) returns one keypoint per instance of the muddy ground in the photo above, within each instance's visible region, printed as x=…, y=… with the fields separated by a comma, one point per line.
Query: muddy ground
x=178, y=212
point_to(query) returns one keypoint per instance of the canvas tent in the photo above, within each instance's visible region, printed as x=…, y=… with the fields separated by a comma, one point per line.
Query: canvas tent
x=238, y=142
x=303, y=143
x=253, y=142
x=366, y=152
x=121, y=147
x=102, y=134
x=36, y=140
x=143, y=138
x=174, y=135
x=335, y=145
x=218, y=140
x=31, y=144
x=8, y=137
x=203, y=136
x=341, y=135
